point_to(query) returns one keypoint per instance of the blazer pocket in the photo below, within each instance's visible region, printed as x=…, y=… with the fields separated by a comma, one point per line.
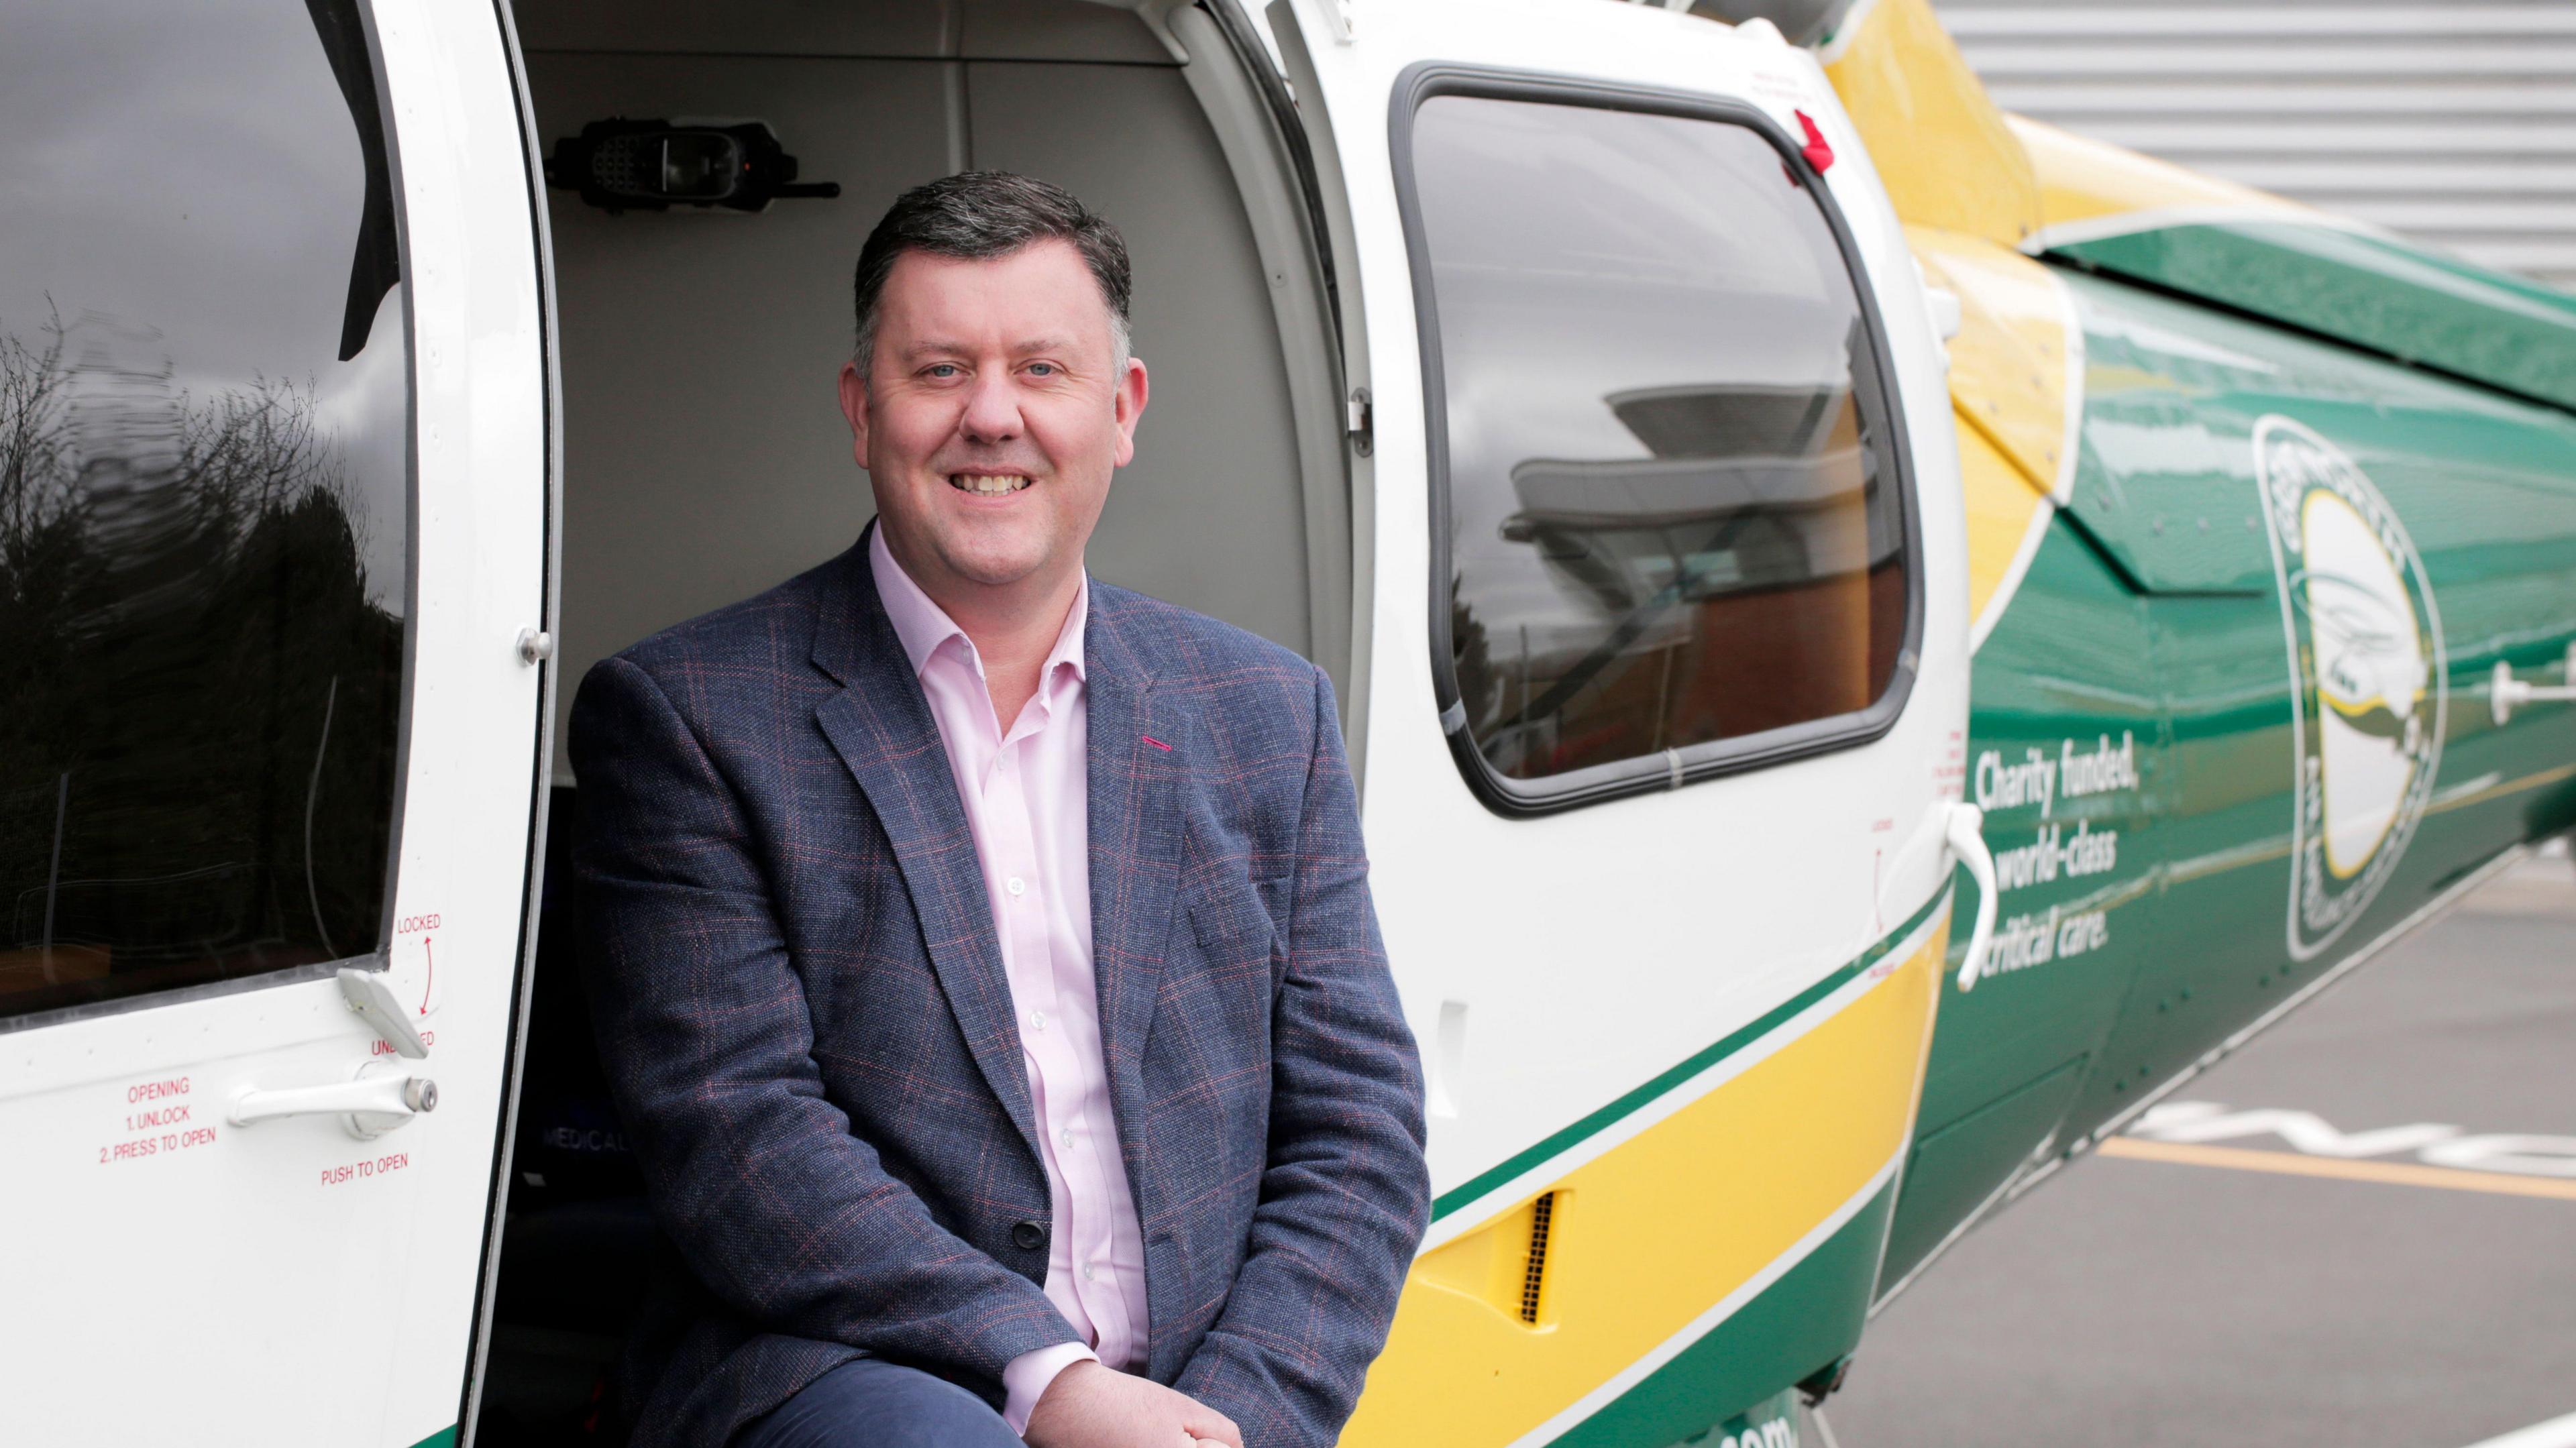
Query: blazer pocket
x=1230, y=922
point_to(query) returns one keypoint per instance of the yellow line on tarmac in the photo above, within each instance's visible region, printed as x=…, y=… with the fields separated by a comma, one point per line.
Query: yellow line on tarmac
x=2396, y=1173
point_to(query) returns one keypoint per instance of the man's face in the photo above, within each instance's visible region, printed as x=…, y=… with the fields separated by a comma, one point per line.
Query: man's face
x=993, y=415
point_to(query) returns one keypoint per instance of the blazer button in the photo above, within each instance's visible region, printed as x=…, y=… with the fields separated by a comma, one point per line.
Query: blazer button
x=1028, y=1236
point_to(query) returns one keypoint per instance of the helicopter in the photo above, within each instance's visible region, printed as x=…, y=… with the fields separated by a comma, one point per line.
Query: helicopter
x=1877, y=638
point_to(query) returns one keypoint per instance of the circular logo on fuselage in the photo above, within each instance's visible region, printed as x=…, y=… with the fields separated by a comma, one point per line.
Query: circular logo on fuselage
x=2368, y=682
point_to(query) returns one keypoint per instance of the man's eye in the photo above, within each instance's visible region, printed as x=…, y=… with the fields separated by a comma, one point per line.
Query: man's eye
x=1042, y=369
x=945, y=369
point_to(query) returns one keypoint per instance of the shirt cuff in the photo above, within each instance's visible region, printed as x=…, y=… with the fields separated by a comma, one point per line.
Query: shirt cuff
x=1025, y=1379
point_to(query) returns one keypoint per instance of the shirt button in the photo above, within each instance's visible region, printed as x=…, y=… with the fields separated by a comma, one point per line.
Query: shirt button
x=1066, y=1136
x=1017, y=886
x=1090, y=1273
x=1037, y=1020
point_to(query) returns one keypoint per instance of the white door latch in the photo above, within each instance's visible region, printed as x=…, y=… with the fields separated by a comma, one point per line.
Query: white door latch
x=372, y=998
x=1967, y=839
x=2508, y=693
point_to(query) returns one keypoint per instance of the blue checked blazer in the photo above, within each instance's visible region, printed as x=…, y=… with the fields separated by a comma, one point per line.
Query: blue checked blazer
x=803, y=1014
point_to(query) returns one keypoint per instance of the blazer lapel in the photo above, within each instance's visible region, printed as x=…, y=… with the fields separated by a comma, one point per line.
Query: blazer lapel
x=1135, y=814
x=1140, y=758
x=881, y=727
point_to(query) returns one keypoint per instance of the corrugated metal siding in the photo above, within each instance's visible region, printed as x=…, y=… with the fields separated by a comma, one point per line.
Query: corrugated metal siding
x=2454, y=123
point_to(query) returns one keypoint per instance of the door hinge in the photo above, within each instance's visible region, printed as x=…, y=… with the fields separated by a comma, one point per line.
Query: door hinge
x=1361, y=422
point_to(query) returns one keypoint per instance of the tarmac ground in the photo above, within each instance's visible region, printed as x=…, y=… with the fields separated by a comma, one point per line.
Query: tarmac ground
x=2359, y=1230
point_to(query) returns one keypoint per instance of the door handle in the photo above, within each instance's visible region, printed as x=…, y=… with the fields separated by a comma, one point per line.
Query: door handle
x=2505, y=693
x=375, y=1103
x=1966, y=835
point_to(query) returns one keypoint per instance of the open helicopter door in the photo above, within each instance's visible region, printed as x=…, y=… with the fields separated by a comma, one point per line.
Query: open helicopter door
x=1667, y=689
x=275, y=551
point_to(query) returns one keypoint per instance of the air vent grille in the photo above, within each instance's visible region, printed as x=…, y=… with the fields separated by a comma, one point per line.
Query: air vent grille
x=627, y=164
x=1534, y=1276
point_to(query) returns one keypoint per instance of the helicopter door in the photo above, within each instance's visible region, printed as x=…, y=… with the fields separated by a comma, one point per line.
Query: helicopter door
x=273, y=528
x=1667, y=689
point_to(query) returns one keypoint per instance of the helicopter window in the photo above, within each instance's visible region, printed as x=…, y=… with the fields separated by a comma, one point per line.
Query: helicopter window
x=204, y=497
x=1676, y=537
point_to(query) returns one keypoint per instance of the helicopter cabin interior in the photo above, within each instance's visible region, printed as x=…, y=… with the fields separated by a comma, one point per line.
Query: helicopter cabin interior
x=705, y=457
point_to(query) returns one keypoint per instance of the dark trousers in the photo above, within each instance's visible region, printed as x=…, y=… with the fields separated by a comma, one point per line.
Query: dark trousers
x=870, y=1402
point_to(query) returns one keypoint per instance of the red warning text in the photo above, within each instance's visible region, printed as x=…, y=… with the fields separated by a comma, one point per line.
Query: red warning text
x=358, y=1171
x=168, y=1143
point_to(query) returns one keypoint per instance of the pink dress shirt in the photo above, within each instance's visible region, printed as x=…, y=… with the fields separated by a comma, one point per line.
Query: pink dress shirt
x=1027, y=796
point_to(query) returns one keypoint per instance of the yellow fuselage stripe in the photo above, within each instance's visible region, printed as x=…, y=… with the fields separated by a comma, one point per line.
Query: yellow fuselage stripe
x=1645, y=1238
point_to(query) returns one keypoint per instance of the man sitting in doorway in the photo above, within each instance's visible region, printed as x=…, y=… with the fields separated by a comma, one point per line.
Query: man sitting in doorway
x=982, y=955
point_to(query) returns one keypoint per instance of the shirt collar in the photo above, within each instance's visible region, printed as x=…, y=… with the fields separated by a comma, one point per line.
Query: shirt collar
x=923, y=627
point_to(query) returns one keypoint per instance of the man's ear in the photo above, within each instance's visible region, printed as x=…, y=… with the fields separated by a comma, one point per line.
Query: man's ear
x=1129, y=404
x=854, y=406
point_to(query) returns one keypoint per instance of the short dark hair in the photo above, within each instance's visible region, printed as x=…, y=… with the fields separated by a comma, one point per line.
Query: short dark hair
x=977, y=215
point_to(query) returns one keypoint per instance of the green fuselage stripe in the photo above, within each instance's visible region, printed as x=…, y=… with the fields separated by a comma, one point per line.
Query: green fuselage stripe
x=1664, y=1081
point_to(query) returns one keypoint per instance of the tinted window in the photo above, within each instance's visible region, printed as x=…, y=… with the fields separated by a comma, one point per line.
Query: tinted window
x=1673, y=520
x=203, y=495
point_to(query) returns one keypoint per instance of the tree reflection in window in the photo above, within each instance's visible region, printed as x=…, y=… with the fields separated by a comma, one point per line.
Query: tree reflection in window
x=204, y=495
x=196, y=758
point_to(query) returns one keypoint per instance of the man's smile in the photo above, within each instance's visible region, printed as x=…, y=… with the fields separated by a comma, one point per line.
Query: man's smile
x=990, y=485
